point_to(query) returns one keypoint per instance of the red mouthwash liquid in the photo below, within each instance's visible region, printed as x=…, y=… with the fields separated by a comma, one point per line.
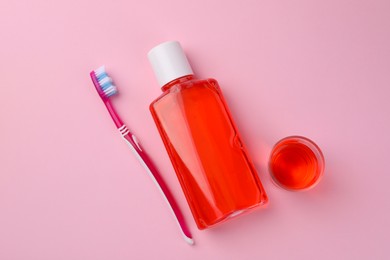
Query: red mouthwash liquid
x=296, y=163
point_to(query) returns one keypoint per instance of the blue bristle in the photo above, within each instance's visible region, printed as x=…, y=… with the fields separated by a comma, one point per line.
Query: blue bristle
x=108, y=87
x=112, y=93
x=102, y=75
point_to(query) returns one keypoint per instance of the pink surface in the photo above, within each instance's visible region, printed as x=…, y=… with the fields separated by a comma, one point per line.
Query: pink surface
x=313, y=68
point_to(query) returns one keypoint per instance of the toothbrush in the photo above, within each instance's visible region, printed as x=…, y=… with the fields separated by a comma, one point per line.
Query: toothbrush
x=106, y=89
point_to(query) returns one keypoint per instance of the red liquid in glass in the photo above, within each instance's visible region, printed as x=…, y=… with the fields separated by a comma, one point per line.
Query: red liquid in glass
x=296, y=163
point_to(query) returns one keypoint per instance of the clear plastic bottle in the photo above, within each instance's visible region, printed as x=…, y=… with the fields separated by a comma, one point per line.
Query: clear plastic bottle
x=203, y=143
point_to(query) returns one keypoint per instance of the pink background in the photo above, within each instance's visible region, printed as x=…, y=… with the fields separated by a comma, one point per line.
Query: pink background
x=70, y=187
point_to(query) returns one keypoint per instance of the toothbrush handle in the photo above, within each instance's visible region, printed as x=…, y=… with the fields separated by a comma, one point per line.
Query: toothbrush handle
x=145, y=161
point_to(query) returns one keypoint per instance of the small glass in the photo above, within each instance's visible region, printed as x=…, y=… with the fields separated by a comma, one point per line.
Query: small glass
x=296, y=163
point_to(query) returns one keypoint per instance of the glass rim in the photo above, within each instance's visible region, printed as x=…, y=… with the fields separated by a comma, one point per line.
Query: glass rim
x=313, y=147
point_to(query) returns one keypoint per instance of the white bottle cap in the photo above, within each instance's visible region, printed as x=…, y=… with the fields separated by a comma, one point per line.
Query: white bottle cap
x=169, y=62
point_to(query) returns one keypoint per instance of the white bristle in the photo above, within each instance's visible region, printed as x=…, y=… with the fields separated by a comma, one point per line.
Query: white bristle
x=105, y=80
x=110, y=90
x=100, y=70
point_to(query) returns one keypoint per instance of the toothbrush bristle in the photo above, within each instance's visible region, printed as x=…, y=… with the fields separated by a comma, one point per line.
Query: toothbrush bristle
x=105, y=82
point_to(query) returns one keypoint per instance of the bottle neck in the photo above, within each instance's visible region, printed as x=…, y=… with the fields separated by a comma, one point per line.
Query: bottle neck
x=176, y=81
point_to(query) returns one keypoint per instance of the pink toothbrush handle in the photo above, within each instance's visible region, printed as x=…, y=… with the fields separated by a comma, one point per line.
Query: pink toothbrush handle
x=132, y=142
x=144, y=159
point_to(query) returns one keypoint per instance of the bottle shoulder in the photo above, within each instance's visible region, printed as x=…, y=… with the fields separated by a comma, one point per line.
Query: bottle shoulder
x=192, y=84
